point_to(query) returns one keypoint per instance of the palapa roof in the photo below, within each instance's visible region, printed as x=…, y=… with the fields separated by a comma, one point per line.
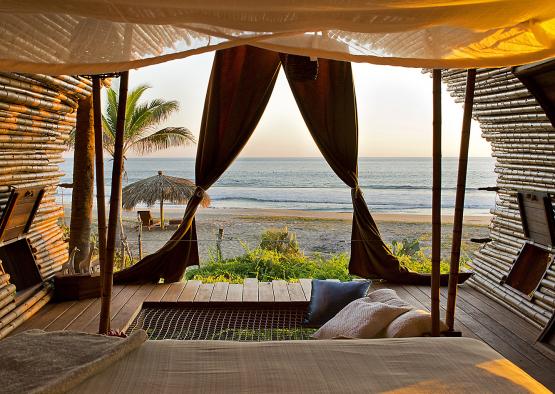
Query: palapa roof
x=169, y=188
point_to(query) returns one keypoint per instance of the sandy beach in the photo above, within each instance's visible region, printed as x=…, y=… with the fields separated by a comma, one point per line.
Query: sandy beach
x=316, y=231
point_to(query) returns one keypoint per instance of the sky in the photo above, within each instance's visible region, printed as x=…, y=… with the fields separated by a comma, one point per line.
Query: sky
x=394, y=110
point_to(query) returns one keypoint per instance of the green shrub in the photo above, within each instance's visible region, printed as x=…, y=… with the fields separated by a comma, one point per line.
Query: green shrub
x=279, y=240
x=268, y=265
x=279, y=257
x=413, y=257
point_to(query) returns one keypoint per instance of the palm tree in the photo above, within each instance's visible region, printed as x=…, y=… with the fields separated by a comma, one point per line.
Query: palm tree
x=141, y=123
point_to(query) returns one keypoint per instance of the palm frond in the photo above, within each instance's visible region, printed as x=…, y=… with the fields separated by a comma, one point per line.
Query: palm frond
x=132, y=99
x=163, y=139
x=150, y=114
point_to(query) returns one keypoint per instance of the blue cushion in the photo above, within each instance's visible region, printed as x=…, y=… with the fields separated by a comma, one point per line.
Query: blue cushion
x=328, y=297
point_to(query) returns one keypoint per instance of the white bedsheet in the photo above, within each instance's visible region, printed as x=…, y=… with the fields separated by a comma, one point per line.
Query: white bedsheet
x=458, y=365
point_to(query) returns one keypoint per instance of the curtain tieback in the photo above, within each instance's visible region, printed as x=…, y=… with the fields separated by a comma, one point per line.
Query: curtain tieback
x=356, y=191
x=199, y=192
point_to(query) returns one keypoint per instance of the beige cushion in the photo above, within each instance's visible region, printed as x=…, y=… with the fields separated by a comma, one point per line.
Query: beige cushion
x=361, y=318
x=415, y=323
x=389, y=297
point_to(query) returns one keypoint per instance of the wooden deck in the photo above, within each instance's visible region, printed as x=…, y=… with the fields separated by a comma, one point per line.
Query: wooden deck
x=477, y=315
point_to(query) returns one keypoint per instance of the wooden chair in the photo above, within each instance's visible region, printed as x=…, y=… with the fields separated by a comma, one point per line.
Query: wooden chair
x=147, y=220
x=175, y=222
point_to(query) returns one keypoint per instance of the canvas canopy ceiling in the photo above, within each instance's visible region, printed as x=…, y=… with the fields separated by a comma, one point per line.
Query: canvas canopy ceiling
x=94, y=36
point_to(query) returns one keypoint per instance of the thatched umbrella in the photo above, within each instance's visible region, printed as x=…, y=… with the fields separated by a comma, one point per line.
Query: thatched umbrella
x=160, y=188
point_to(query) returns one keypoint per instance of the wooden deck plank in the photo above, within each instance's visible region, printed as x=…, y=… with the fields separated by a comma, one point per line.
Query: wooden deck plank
x=296, y=292
x=118, y=302
x=306, y=284
x=158, y=292
x=250, y=290
x=484, y=333
x=204, y=292
x=235, y=292
x=122, y=319
x=190, y=291
x=518, y=343
x=77, y=309
x=88, y=315
x=173, y=292
x=265, y=292
x=45, y=316
x=422, y=294
x=281, y=294
x=219, y=294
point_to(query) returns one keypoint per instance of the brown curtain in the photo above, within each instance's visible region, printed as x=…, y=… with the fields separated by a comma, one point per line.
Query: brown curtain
x=328, y=106
x=240, y=86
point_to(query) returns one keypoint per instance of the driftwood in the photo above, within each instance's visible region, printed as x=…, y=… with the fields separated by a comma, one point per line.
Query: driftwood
x=37, y=113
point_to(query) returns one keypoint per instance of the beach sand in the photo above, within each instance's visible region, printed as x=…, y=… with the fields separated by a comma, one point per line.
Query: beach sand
x=316, y=231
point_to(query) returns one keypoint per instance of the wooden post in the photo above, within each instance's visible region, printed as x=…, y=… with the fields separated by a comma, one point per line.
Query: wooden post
x=114, y=207
x=99, y=168
x=161, y=203
x=219, y=244
x=436, y=201
x=140, y=240
x=459, y=200
x=161, y=212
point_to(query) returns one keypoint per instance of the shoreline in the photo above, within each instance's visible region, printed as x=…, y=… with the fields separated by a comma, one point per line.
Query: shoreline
x=477, y=220
x=321, y=232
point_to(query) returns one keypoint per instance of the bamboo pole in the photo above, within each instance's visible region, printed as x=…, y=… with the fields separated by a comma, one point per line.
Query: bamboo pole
x=436, y=202
x=459, y=201
x=99, y=167
x=117, y=168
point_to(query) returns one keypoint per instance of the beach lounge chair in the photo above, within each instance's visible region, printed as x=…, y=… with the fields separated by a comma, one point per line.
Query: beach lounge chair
x=147, y=220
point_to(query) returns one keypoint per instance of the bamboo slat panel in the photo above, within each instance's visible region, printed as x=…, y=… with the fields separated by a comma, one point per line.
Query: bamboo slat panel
x=37, y=113
x=523, y=144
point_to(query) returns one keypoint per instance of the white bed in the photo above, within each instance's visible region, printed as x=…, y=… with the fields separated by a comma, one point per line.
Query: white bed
x=458, y=365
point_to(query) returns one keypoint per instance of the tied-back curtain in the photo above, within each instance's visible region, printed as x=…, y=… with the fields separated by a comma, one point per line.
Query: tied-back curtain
x=328, y=106
x=240, y=86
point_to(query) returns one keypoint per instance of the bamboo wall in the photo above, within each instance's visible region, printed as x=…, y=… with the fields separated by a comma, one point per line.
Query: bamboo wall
x=37, y=113
x=523, y=143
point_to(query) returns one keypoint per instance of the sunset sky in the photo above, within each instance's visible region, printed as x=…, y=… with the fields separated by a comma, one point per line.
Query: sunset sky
x=394, y=109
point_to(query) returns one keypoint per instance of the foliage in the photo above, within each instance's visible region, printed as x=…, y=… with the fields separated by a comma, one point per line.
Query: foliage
x=279, y=240
x=141, y=121
x=267, y=265
x=412, y=256
x=406, y=247
x=120, y=264
x=271, y=260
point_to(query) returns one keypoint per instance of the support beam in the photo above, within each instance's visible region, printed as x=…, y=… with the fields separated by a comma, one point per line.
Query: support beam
x=459, y=200
x=117, y=169
x=99, y=164
x=436, y=201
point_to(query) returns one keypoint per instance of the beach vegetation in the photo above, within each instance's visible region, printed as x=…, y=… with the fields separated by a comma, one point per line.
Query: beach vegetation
x=278, y=256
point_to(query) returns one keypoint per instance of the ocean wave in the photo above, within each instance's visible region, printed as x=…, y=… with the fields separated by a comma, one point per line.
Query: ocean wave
x=257, y=185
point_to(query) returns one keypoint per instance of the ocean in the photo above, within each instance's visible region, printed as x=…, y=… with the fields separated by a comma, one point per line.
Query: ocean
x=390, y=185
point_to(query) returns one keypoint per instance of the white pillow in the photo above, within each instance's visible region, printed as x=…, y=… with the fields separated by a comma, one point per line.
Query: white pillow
x=389, y=297
x=361, y=318
x=415, y=323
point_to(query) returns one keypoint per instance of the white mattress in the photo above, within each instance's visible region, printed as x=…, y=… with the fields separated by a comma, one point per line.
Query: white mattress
x=458, y=365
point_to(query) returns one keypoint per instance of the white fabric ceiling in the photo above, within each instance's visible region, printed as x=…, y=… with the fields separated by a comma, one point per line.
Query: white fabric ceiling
x=93, y=36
